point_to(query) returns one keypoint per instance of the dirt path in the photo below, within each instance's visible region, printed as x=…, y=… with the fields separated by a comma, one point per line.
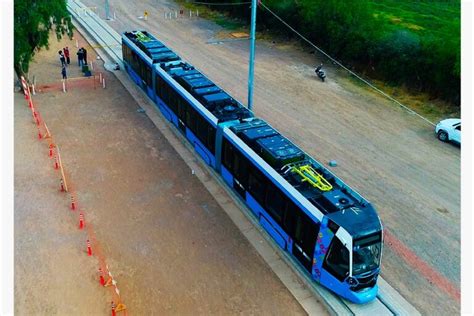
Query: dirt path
x=389, y=156
x=172, y=249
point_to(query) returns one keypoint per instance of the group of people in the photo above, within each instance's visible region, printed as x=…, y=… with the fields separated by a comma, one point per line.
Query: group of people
x=65, y=59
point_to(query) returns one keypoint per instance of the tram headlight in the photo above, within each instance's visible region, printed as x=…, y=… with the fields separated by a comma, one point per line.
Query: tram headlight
x=352, y=281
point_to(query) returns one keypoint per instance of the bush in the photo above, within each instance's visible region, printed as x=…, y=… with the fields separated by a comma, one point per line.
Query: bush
x=382, y=38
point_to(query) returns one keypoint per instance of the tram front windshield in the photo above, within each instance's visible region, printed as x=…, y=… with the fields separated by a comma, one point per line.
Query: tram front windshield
x=366, y=255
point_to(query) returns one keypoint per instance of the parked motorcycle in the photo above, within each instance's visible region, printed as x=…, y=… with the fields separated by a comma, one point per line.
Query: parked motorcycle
x=320, y=72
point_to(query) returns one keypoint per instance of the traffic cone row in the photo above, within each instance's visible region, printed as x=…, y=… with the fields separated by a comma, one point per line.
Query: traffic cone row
x=54, y=154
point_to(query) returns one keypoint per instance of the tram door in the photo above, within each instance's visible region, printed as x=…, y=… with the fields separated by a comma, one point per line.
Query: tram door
x=305, y=232
x=240, y=171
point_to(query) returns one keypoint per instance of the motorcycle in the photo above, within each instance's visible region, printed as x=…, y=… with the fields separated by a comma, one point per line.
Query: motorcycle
x=320, y=72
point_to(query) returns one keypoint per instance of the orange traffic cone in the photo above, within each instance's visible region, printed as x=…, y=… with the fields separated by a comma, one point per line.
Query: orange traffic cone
x=81, y=221
x=101, y=277
x=89, y=249
x=73, y=203
x=113, y=308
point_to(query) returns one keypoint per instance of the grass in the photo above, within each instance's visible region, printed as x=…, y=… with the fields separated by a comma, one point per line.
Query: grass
x=426, y=18
x=433, y=109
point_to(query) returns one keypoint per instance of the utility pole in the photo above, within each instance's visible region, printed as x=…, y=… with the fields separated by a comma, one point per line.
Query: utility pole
x=253, y=23
x=107, y=10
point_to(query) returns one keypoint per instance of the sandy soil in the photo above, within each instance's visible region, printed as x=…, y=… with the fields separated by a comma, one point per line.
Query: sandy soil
x=389, y=156
x=171, y=248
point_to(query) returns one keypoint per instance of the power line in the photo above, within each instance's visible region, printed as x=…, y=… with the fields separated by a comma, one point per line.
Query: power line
x=215, y=3
x=345, y=68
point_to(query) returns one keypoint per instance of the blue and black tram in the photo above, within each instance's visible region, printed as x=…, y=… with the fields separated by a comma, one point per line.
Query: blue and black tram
x=328, y=228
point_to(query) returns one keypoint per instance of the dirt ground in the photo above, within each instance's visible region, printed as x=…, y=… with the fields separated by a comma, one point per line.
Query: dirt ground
x=170, y=246
x=390, y=156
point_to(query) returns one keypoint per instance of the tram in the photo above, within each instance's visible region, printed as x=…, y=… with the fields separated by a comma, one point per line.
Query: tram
x=329, y=229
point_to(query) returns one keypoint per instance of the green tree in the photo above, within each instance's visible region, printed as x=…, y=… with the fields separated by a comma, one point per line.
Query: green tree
x=33, y=22
x=344, y=28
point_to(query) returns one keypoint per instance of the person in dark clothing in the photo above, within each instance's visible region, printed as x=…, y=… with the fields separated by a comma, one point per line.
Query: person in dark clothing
x=80, y=57
x=85, y=55
x=66, y=54
x=62, y=59
x=63, y=72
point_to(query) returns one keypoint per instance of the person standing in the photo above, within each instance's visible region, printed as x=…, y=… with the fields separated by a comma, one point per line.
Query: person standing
x=85, y=55
x=63, y=73
x=80, y=57
x=66, y=54
x=62, y=59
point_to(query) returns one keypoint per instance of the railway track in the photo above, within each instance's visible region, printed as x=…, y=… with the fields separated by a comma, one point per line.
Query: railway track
x=388, y=302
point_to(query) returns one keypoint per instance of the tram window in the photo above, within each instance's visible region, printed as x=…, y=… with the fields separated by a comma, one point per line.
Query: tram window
x=157, y=85
x=291, y=215
x=174, y=99
x=129, y=53
x=135, y=62
x=178, y=101
x=337, y=259
x=149, y=77
x=240, y=168
x=125, y=53
x=257, y=184
x=164, y=92
x=275, y=202
x=227, y=154
x=211, y=138
x=201, y=129
x=205, y=133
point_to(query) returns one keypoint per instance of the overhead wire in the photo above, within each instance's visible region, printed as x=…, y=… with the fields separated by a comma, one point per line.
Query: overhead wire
x=345, y=68
x=221, y=3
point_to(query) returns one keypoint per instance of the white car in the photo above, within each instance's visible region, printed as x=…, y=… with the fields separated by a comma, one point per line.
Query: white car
x=449, y=130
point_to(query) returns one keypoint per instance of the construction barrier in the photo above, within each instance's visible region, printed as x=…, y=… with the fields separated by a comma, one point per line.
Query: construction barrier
x=54, y=153
x=175, y=14
x=73, y=83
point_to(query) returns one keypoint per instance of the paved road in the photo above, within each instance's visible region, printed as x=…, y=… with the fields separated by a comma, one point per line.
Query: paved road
x=389, y=156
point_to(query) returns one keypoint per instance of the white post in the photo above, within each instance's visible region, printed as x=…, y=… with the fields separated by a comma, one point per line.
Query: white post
x=77, y=44
x=197, y=12
x=64, y=86
x=100, y=77
x=176, y=14
x=92, y=65
x=103, y=83
x=33, y=87
x=190, y=14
